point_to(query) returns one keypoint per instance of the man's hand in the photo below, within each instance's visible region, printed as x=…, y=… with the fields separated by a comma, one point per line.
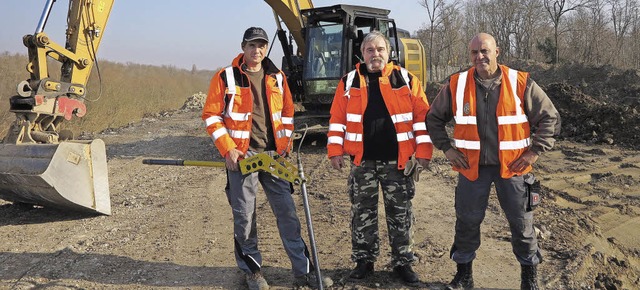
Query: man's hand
x=337, y=162
x=231, y=159
x=456, y=158
x=527, y=158
x=423, y=162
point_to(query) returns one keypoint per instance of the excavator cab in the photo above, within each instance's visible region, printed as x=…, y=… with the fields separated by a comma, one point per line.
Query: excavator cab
x=332, y=39
x=333, y=36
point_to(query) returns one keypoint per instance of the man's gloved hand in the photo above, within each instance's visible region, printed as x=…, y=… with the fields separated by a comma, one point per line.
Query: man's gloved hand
x=413, y=167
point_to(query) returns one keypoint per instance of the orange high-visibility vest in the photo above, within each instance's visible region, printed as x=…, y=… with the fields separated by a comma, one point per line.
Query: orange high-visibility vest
x=227, y=110
x=406, y=102
x=513, y=125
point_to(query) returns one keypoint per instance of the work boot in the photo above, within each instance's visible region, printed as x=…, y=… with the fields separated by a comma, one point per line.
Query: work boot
x=307, y=280
x=528, y=278
x=463, y=278
x=310, y=280
x=362, y=270
x=406, y=273
x=256, y=281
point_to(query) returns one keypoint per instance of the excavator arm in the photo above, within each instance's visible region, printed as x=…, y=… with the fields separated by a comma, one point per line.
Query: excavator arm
x=289, y=12
x=42, y=102
x=37, y=165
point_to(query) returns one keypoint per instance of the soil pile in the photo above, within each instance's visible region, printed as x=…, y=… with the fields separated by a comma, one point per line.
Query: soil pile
x=596, y=104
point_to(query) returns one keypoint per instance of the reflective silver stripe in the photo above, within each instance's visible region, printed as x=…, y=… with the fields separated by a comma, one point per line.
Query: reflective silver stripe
x=212, y=120
x=239, y=116
x=514, y=145
x=406, y=117
x=337, y=127
x=466, y=144
x=419, y=126
x=356, y=118
x=520, y=117
x=513, y=81
x=279, y=80
x=287, y=120
x=404, y=136
x=508, y=120
x=347, y=85
x=423, y=139
x=239, y=134
x=466, y=120
x=219, y=133
x=276, y=116
x=462, y=83
x=284, y=133
x=353, y=137
x=335, y=140
x=405, y=76
x=231, y=88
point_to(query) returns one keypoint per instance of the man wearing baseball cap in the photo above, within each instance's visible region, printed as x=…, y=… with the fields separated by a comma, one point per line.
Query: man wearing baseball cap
x=249, y=110
x=255, y=33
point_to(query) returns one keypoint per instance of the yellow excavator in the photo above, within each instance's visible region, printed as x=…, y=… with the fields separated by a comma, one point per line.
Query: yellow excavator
x=328, y=47
x=41, y=164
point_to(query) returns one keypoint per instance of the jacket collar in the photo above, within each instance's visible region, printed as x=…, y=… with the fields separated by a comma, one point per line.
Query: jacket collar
x=267, y=65
x=386, y=70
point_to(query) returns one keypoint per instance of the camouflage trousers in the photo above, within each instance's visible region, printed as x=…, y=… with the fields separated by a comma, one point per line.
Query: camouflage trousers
x=398, y=190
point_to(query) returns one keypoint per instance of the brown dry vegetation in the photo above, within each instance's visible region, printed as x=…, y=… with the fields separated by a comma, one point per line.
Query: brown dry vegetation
x=129, y=91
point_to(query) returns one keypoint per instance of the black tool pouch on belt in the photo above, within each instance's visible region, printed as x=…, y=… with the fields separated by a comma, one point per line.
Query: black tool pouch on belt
x=533, y=191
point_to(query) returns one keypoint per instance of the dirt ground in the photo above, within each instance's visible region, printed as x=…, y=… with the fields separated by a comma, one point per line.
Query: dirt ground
x=171, y=226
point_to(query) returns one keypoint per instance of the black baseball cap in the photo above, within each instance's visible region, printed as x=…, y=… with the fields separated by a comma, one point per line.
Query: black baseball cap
x=255, y=33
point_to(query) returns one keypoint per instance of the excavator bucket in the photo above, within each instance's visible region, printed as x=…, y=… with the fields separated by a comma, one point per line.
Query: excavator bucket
x=70, y=175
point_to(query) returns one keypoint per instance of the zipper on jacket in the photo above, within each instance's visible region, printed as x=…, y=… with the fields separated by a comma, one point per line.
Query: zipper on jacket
x=486, y=117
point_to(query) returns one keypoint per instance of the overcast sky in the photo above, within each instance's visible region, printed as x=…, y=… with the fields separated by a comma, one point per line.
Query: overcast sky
x=206, y=33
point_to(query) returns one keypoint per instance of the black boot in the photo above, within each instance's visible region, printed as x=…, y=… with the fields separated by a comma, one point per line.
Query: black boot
x=362, y=270
x=406, y=273
x=528, y=278
x=463, y=278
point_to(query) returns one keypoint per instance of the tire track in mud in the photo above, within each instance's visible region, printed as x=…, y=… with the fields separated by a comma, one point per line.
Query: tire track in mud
x=594, y=218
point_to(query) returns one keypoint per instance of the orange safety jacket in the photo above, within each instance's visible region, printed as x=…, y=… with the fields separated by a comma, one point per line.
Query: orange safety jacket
x=513, y=125
x=227, y=110
x=407, y=104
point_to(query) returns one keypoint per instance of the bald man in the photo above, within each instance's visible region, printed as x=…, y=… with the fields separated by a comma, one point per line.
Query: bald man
x=494, y=108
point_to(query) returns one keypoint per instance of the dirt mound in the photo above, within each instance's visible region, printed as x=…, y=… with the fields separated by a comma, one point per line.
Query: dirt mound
x=597, y=104
x=604, y=83
x=589, y=119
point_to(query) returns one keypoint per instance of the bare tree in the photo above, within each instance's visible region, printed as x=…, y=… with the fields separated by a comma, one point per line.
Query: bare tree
x=434, y=9
x=556, y=10
x=528, y=25
x=440, y=33
x=589, y=31
x=623, y=13
x=502, y=23
x=634, y=45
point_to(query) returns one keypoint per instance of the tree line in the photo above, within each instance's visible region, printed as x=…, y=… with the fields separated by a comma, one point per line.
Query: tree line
x=590, y=32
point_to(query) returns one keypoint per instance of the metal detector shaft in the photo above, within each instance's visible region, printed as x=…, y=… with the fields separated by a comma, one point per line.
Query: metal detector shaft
x=307, y=213
x=180, y=162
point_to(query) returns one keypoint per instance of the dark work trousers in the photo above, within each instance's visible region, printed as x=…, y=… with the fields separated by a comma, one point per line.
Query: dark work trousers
x=241, y=192
x=471, y=200
x=398, y=190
